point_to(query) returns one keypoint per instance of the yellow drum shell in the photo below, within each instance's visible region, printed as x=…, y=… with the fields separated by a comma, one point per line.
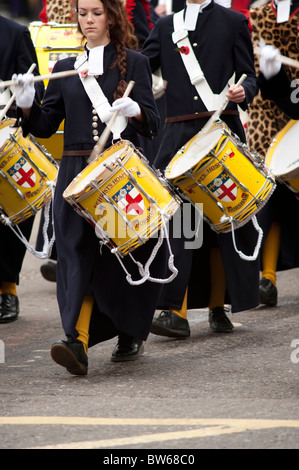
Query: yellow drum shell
x=52, y=42
x=25, y=174
x=219, y=172
x=124, y=200
x=282, y=157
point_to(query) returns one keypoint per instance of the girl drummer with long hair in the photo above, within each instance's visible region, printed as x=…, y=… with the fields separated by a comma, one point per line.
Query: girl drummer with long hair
x=95, y=300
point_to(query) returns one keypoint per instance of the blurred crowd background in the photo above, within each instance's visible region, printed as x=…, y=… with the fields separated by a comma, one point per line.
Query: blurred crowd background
x=21, y=10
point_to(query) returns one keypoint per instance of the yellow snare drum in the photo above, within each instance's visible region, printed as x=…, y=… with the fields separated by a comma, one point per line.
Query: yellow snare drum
x=52, y=42
x=283, y=158
x=217, y=170
x=27, y=174
x=122, y=197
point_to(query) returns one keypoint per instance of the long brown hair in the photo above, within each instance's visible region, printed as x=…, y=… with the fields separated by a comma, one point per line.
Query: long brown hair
x=122, y=35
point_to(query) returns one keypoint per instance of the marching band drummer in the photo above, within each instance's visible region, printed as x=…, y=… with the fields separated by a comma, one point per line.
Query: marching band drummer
x=219, y=37
x=96, y=301
x=17, y=54
x=278, y=219
x=273, y=22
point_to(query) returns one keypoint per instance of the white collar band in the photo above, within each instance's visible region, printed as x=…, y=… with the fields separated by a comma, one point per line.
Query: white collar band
x=96, y=60
x=192, y=11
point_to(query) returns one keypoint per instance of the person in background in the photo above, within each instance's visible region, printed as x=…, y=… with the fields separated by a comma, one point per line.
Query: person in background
x=16, y=57
x=271, y=24
x=213, y=274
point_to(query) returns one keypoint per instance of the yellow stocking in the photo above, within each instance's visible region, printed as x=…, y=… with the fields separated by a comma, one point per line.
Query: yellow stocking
x=82, y=325
x=270, y=252
x=8, y=288
x=183, y=312
x=218, y=282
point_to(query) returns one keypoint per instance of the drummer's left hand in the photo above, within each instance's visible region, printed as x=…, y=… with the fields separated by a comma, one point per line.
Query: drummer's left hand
x=236, y=94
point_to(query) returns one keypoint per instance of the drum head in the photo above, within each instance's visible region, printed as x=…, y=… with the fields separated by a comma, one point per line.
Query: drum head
x=196, y=149
x=284, y=151
x=95, y=171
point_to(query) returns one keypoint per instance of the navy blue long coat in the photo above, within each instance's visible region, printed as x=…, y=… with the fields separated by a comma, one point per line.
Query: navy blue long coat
x=222, y=44
x=82, y=267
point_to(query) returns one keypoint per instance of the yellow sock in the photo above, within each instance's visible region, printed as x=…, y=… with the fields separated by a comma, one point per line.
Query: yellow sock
x=183, y=311
x=82, y=325
x=9, y=288
x=270, y=252
x=218, y=282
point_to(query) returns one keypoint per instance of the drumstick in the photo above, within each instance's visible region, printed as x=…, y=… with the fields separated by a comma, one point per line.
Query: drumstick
x=100, y=145
x=281, y=58
x=12, y=98
x=217, y=113
x=40, y=78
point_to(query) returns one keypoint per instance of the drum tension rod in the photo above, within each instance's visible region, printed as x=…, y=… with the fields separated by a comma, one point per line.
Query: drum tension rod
x=204, y=189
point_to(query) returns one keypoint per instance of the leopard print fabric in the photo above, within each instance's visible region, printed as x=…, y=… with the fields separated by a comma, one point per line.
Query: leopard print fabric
x=265, y=119
x=60, y=11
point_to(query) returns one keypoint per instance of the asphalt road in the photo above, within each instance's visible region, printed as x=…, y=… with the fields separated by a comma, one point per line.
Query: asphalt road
x=211, y=391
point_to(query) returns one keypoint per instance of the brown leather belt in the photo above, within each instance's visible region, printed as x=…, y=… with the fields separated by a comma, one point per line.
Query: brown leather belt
x=204, y=114
x=76, y=153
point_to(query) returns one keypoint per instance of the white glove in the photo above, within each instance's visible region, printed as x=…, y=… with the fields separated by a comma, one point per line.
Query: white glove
x=24, y=90
x=126, y=107
x=269, y=65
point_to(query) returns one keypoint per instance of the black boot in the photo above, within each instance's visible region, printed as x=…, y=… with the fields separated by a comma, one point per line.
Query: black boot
x=9, y=308
x=128, y=348
x=170, y=324
x=218, y=320
x=71, y=355
x=268, y=292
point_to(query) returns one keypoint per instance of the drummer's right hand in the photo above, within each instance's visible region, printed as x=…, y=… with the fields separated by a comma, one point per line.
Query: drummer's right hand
x=24, y=90
x=269, y=65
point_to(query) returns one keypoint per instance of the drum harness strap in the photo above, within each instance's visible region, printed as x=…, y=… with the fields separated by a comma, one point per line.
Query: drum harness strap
x=97, y=97
x=197, y=78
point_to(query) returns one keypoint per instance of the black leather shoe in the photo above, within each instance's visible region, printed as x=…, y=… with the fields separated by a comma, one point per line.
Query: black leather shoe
x=48, y=271
x=128, y=348
x=170, y=324
x=268, y=292
x=218, y=320
x=71, y=355
x=9, y=308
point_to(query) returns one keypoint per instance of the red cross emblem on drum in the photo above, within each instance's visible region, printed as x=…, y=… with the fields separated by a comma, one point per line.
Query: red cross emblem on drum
x=223, y=187
x=23, y=173
x=129, y=199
